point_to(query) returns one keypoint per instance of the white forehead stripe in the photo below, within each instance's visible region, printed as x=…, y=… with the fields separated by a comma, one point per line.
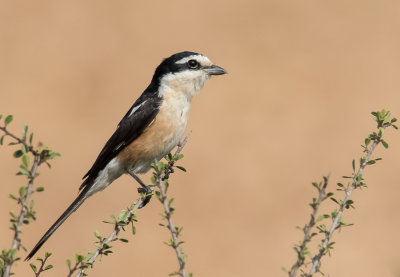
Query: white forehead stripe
x=200, y=58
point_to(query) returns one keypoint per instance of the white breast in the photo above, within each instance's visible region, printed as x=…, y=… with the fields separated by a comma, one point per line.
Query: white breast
x=175, y=108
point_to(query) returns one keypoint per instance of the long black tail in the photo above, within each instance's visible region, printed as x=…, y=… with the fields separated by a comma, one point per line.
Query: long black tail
x=72, y=208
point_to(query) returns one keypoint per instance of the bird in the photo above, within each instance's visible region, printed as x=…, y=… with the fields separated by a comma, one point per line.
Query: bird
x=151, y=128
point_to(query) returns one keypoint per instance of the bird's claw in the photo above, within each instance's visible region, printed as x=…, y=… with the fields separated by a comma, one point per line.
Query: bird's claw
x=148, y=193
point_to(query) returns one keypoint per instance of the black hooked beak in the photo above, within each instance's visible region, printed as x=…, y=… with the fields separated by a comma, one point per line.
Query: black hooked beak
x=215, y=70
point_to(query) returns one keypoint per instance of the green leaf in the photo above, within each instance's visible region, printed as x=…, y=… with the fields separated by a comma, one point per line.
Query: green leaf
x=349, y=203
x=334, y=200
x=69, y=263
x=385, y=144
x=354, y=165
x=124, y=240
x=40, y=189
x=30, y=138
x=122, y=215
x=97, y=234
x=18, y=153
x=26, y=160
x=33, y=267
x=24, y=171
x=380, y=132
x=22, y=191
x=24, y=131
x=133, y=229
x=2, y=139
x=179, y=157
x=8, y=120
x=181, y=168
x=79, y=258
x=48, y=267
x=12, y=197
x=24, y=148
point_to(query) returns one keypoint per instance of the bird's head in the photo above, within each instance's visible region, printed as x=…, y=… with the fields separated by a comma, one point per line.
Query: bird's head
x=186, y=72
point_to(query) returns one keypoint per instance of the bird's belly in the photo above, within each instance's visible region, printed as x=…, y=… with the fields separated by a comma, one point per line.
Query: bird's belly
x=162, y=135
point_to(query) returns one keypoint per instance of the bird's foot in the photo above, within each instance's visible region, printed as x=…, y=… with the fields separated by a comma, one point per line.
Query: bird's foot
x=148, y=193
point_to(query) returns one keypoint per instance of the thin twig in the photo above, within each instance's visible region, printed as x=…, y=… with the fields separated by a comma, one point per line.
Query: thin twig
x=168, y=213
x=20, y=141
x=111, y=237
x=42, y=268
x=16, y=242
x=171, y=228
x=335, y=221
x=307, y=228
x=75, y=268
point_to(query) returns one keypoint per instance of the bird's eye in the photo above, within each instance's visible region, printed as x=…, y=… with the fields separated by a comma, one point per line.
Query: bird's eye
x=193, y=64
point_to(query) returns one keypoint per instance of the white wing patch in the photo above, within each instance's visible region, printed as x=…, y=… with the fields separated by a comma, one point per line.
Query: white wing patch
x=119, y=146
x=136, y=108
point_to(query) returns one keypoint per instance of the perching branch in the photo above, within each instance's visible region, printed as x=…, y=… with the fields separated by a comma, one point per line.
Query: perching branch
x=125, y=218
x=161, y=181
x=129, y=216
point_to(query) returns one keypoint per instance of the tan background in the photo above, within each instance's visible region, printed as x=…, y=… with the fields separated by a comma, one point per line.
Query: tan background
x=303, y=78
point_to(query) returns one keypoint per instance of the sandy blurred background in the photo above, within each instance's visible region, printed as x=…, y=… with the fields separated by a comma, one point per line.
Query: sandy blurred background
x=303, y=79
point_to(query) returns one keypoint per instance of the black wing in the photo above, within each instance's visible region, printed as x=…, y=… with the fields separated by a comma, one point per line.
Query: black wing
x=136, y=120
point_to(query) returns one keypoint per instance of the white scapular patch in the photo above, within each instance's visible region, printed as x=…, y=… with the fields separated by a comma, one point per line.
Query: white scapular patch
x=136, y=108
x=105, y=177
x=203, y=60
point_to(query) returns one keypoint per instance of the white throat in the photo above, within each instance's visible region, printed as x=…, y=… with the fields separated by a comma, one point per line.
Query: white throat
x=188, y=83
